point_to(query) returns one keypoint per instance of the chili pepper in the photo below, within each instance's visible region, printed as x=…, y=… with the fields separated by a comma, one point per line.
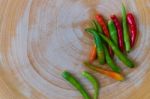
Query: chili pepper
x=94, y=82
x=72, y=80
x=119, y=31
x=108, y=73
x=99, y=45
x=102, y=23
x=93, y=53
x=113, y=32
x=110, y=62
x=116, y=50
x=132, y=28
x=125, y=30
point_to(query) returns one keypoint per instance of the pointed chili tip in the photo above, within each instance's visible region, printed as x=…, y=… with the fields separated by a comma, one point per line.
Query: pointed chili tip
x=84, y=72
x=65, y=72
x=122, y=4
x=122, y=79
x=132, y=66
x=85, y=62
x=98, y=15
x=112, y=16
x=119, y=77
x=88, y=30
x=93, y=22
x=129, y=13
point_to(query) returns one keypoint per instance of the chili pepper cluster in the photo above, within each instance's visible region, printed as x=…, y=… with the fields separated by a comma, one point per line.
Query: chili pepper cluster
x=111, y=38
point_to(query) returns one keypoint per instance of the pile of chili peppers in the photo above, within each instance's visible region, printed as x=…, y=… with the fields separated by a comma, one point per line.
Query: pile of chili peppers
x=110, y=39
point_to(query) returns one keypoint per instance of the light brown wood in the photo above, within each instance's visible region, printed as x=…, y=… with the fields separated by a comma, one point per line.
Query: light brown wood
x=41, y=38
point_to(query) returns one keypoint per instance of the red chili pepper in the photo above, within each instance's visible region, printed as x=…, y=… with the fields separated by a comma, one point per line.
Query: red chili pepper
x=120, y=32
x=132, y=28
x=101, y=21
x=103, y=25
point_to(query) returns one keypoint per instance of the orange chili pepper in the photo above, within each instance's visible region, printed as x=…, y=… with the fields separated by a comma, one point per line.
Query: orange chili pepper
x=108, y=73
x=93, y=53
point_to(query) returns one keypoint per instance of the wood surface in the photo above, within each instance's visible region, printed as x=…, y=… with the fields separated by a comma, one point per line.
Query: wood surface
x=41, y=38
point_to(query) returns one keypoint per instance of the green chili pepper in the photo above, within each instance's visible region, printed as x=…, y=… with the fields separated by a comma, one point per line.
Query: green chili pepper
x=110, y=62
x=113, y=32
x=94, y=82
x=71, y=79
x=125, y=29
x=120, y=55
x=99, y=45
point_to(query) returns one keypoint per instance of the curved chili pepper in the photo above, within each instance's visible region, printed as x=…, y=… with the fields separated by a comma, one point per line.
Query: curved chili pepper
x=110, y=62
x=72, y=80
x=132, y=28
x=116, y=50
x=125, y=30
x=93, y=53
x=108, y=73
x=119, y=31
x=113, y=32
x=94, y=82
x=99, y=45
x=102, y=23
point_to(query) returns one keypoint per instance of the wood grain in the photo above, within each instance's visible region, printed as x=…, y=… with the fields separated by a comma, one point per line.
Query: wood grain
x=41, y=38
